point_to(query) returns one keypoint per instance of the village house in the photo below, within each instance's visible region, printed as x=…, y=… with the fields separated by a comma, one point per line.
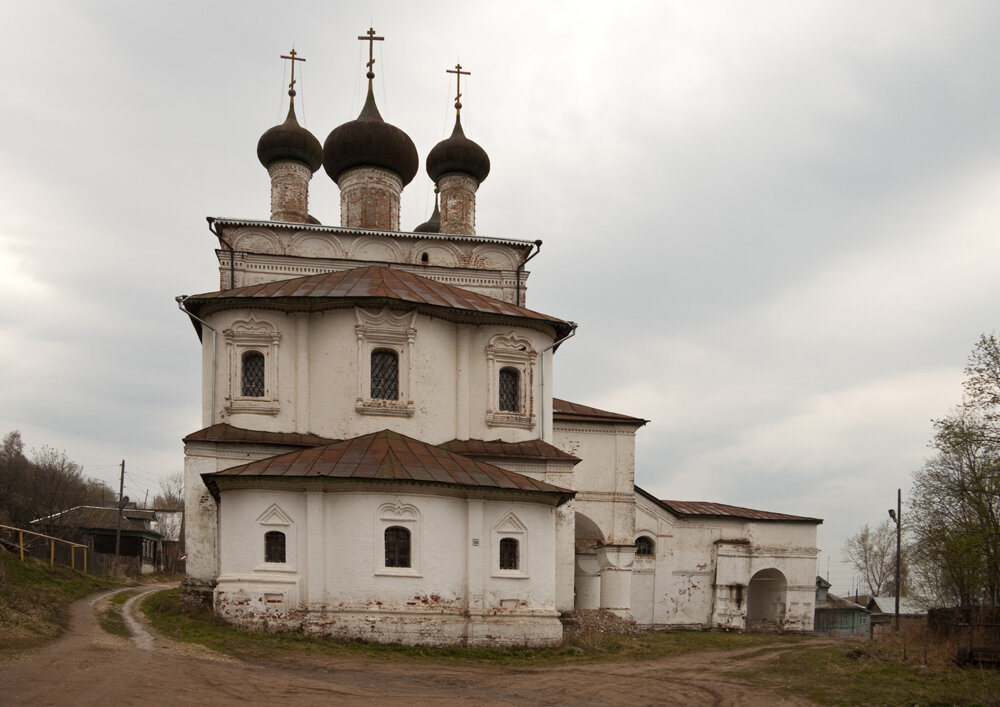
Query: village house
x=381, y=455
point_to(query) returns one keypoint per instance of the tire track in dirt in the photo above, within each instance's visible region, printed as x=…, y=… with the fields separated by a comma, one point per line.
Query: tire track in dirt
x=89, y=667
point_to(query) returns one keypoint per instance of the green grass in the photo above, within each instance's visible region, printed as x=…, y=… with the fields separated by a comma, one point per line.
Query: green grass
x=873, y=675
x=169, y=618
x=35, y=598
x=111, y=618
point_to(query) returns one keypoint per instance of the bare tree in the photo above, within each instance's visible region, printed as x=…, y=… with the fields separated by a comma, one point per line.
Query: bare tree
x=872, y=552
x=171, y=495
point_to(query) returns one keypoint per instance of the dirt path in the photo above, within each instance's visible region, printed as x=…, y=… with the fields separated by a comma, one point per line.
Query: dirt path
x=89, y=667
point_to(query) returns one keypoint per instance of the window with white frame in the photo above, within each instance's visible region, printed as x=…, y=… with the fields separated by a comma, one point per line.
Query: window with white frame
x=511, y=374
x=397, y=530
x=509, y=547
x=385, y=345
x=253, y=357
x=274, y=540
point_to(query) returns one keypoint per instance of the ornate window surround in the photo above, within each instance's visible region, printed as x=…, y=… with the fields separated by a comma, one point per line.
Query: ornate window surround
x=384, y=330
x=243, y=336
x=510, y=527
x=511, y=351
x=274, y=518
x=403, y=515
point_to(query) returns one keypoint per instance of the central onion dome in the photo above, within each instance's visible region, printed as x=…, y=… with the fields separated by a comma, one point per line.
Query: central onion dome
x=290, y=141
x=458, y=154
x=369, y=141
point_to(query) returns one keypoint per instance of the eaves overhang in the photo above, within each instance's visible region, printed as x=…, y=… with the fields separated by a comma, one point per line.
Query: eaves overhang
x=319, y=228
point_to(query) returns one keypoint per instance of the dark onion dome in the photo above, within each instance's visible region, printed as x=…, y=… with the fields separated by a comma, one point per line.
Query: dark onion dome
x=369, y=141
x=458, y=154
x=290, y=141
x=433, y=224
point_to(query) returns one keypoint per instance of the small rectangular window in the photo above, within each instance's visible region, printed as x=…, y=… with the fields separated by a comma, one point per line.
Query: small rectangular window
x=385, y=375
x=508, y=554
x=252, y=379
x=397, y=547
x=510, y=390
x=274, y=546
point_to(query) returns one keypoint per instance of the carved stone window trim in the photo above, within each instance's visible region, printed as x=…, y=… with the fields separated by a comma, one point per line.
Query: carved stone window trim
x=252, y=336
x=382, y=329
x=515, y=352
x=271, y=520
x=510, y=528
x=397, y=514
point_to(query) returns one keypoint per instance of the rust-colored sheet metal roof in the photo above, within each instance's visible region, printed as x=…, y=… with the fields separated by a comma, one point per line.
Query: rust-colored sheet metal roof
x=226, y=433
x=565, y=410
x=495, y=449
x=722, y=510
x=97, y=518
x=386, y=455
x=375, y=283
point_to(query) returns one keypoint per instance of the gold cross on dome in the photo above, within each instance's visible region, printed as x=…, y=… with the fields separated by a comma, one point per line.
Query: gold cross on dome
x=292, y=56
x=458, y=84
x=371, y=39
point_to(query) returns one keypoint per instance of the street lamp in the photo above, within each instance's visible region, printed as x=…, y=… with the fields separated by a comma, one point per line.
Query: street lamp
x=897, y=518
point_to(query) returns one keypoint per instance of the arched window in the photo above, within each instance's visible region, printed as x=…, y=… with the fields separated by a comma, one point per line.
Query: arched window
x=274, y=546
x=252, y=377
x=397, y=547
x=509, y=559
x=510, y=390
x=385, y=375
x=644, y=546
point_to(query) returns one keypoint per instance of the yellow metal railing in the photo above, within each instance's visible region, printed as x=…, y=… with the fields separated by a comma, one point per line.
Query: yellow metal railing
x=52, y=546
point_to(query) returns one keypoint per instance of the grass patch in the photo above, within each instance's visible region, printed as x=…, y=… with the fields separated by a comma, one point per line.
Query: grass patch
x=111, y=618
x=35, y=598
x=170, y=618
x=873, y=674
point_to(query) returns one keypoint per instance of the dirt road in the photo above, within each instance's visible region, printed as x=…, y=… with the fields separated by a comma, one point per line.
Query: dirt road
x=89, y=667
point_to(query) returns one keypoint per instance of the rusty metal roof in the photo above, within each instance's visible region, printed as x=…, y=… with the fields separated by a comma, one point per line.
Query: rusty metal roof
x=565, y=410
x=390, y=456
x=226, y=433
x=495, y=449
x=722, y=510
x=375, y=283
x=134, y=520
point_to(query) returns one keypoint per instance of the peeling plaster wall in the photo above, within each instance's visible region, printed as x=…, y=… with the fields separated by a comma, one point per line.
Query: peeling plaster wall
x=334, y=581
x=703, y=566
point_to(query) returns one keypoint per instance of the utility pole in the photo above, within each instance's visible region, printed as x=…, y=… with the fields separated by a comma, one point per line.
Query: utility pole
x=118, y=525
x=897, y=518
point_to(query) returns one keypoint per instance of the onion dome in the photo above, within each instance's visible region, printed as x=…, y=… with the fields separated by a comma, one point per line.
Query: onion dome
x=458, y=154
x=290, y=141
x=369, y=141
x=433, y=224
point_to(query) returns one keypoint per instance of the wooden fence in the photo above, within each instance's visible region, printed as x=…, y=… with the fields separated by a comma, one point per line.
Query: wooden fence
x=40, y=546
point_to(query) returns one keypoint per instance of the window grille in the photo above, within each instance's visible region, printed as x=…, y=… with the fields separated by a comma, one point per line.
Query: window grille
x=510, y=393
x=274, y=546
x=252, y=384
x=644, y=546
x=397, y=547
x=385, y=375
x=508, y=554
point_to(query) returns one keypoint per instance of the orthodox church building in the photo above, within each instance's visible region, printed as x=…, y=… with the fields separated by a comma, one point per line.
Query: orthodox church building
x=382, y=456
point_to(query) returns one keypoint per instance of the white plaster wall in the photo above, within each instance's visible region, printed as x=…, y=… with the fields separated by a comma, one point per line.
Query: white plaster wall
x=318, y=387
x=696, y=574
x=335, y=562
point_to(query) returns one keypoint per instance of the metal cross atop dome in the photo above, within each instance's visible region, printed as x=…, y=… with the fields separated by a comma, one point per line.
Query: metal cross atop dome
x=371, y=39
x=458, y=84
x=291, y=56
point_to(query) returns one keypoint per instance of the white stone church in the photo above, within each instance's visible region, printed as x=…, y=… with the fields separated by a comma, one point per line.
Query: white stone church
x=382, y=456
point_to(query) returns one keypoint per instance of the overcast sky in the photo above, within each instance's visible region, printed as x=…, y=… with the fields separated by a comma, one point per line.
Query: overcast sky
x=775, y=222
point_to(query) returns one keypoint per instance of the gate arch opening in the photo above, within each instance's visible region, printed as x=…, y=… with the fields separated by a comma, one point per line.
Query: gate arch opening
x=766, y=599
